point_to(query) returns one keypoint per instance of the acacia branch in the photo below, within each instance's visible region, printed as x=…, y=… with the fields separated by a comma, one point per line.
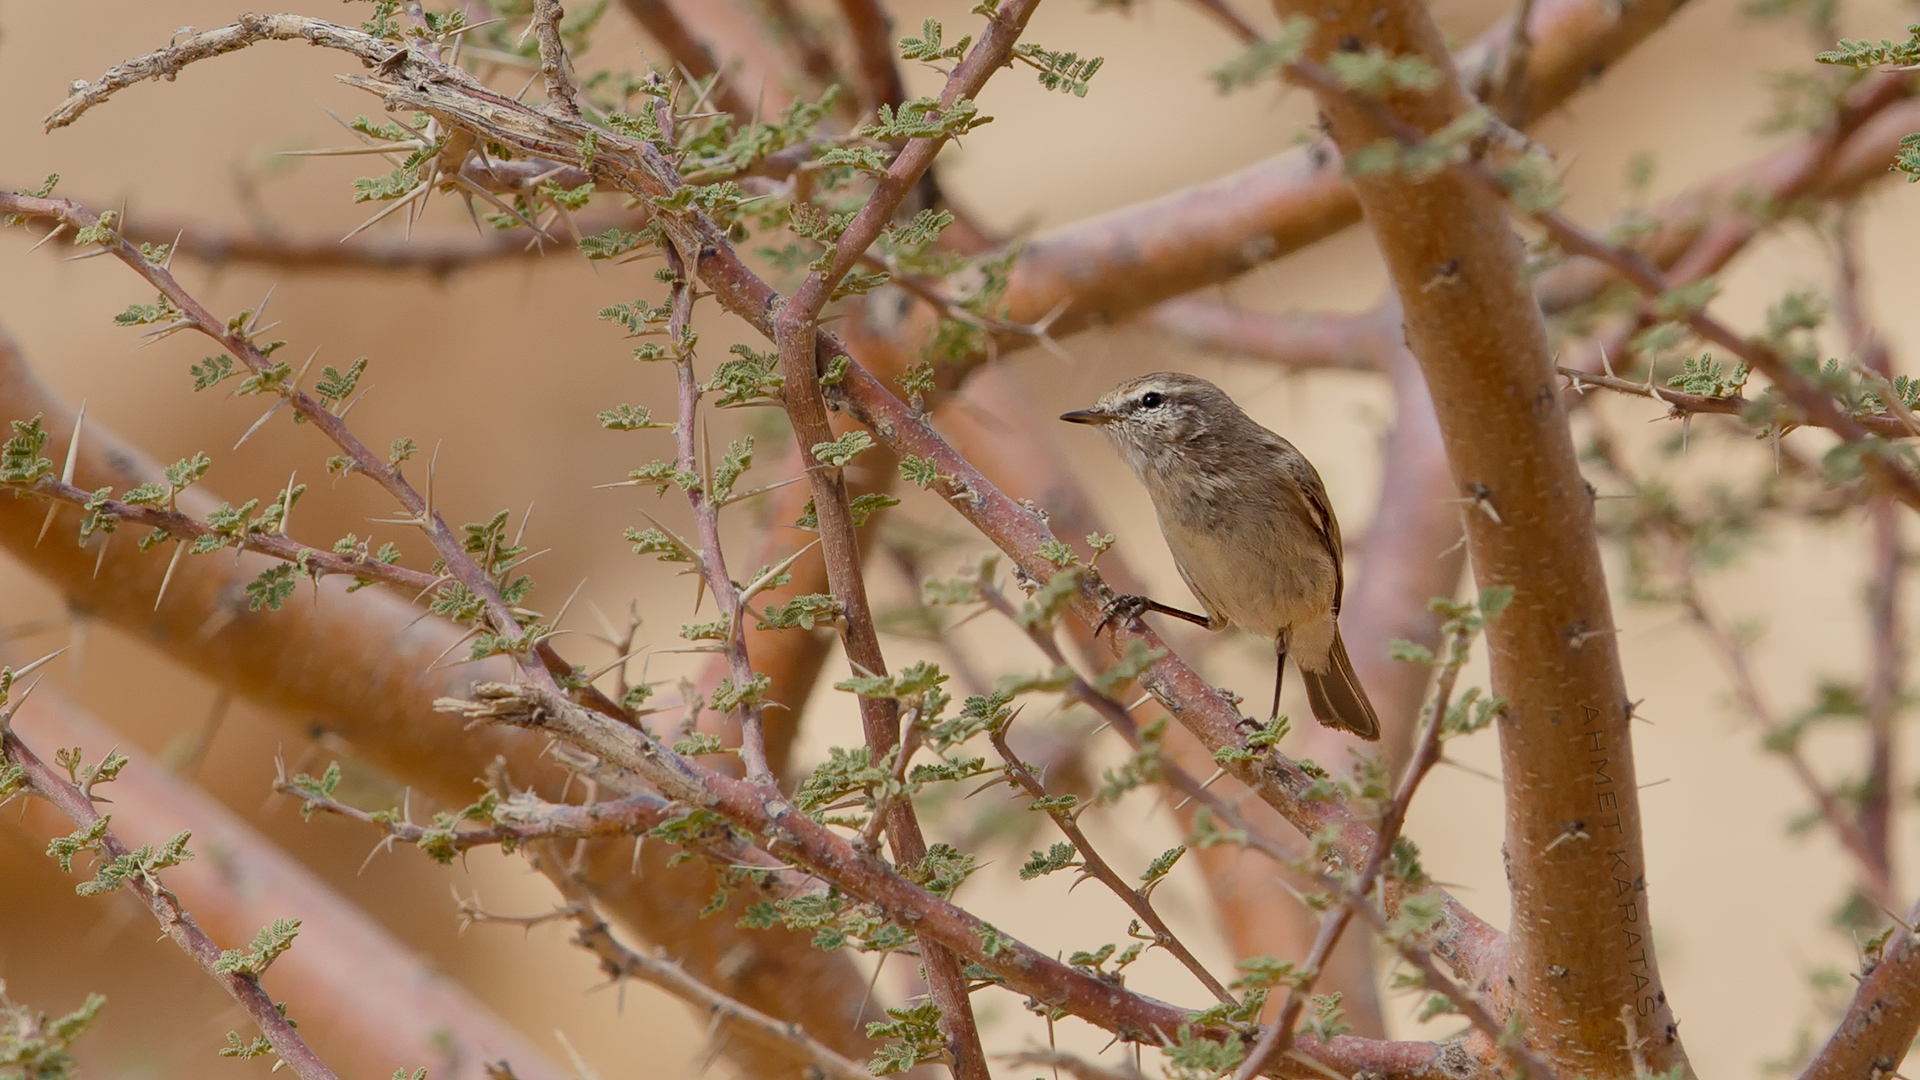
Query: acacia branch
x=184, y=527
x=1681, y=404
x=462, y=103
x=1878, y=1029
x=1094, y=866
x=522, y=821
x=796, y=333
x=618, y=962
x=390, y=1006
x=791, y=834
x=664, y=25
x=1018, y=530
x=1816, y=405
x=308, y=662
x=1565, y=735
x=706, y=516
x=556, y=67
x=871, y=32
x=166, y=908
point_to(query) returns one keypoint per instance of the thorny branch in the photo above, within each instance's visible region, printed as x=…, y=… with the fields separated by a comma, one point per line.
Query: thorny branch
x=1681, y=404
x=1067, y=820
x=1878, y=1029
x=618, y=962
x=793, y=835
x=1672, y=525
x=664, y=24
x=460, y=102
x=237, y=337
x=1426, y=754
x=185, y=527
x=174, y=919
x=555, y=66
x=706, y=515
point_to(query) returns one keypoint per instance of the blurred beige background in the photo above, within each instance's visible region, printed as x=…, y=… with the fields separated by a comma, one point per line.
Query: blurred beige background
x=514, y=349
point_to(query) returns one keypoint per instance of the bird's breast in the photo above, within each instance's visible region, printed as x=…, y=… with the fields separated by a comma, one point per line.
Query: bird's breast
x=1264, y=572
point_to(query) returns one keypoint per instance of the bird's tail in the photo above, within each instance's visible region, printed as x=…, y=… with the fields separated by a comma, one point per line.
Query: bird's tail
x=1337, y=698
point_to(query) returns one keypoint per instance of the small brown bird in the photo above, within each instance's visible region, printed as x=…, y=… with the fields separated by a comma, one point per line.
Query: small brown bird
x=1250, y=528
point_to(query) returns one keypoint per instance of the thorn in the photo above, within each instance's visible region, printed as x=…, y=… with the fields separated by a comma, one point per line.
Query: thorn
x=286, y=504
x=40, y=663
x=253, y=323
x=66, y=472
x=179, y=549
x=570, y=596
x=47, y=239
x=433, y=469
x=264, y=417
x=403, y=200
x=356, y=400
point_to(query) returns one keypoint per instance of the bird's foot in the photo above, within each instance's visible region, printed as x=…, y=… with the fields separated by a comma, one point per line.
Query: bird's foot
x=1123, y=608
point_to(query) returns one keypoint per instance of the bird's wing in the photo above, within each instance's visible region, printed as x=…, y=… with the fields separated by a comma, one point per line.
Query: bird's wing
x=1314, y=492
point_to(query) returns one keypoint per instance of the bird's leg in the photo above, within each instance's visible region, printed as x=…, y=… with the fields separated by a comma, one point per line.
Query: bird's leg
x=1128, y=607
x=1279, y=668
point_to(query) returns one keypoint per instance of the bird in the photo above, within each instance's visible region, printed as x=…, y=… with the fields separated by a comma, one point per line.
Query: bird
x=1247, y=519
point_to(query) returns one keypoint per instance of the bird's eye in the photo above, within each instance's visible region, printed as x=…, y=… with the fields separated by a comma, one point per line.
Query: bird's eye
x=1152, y=399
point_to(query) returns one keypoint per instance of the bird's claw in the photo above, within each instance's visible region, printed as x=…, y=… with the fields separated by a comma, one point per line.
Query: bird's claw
x=1123, y=608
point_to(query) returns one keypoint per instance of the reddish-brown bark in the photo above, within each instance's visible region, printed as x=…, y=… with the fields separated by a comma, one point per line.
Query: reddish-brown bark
x=1580, y=943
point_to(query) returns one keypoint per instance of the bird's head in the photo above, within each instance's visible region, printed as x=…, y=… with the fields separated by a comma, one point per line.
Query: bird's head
x=1158, y=414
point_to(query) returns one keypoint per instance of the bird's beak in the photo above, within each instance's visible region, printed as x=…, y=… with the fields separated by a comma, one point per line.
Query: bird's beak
x=1087, y=416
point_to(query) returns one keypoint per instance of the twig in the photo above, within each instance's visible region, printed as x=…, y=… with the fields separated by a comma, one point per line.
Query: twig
x=1873, y=1036
x=664, y=25
x=521, y=820
x=1096, y=866
x=1681, y=404
x=185, y=527
x=1279, y=1036
x=617, y=962
x=797, y=335
x=706, y=516
x=174, y=919
x=793, y=835
x=871, y=32
x=1886, y=672
x=556, y=68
